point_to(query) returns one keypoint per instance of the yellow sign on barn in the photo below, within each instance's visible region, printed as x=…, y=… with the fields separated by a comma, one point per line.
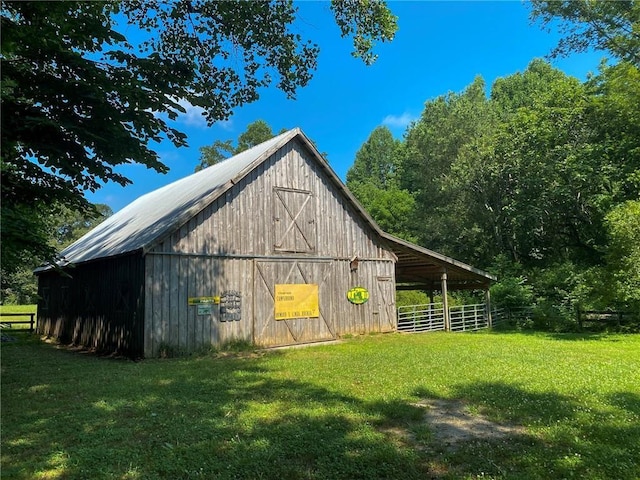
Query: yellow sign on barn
x=203, y=300
x=296, y=301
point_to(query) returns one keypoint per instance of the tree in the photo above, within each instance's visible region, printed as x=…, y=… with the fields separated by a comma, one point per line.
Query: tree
x=214, y=153
x=447, y=127
x=78, y=99
x=623, y=225
x=377, y=160
x=374, y=181
x=70, y=225
x=256, y=133
x=610, y=26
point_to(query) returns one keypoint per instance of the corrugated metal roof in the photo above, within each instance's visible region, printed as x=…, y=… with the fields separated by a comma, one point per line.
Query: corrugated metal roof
x=155, y=214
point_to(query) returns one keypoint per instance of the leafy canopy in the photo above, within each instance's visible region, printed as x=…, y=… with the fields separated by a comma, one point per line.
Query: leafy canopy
x=79, y=99
x=538, y=183
x=613, y=26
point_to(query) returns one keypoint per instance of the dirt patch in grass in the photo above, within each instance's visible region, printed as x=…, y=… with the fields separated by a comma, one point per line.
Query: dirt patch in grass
x=451, y=423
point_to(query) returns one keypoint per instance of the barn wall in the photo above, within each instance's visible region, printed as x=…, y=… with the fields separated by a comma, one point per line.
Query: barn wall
x=337, y=315
x=285, y=222
x=246, y=224
x=171, y=324
x=98, y=305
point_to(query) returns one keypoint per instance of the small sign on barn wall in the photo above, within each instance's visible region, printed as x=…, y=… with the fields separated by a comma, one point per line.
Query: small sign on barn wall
x=358, y=295
x=204, y=309
x=230, y=306
x=204, y=305
x=203, y=300
x=296, y=301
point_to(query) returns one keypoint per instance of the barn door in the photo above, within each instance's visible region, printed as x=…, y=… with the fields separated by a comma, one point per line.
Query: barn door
x=386, y=304
x=294, y=221
x=268, y=331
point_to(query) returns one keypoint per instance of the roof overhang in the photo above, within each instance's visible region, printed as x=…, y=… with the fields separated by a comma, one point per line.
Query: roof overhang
x=419, y=268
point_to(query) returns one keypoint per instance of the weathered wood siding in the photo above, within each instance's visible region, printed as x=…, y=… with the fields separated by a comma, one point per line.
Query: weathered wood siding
x=337, y=315
x=98, y=305
x=285, y=222
x=171, y=323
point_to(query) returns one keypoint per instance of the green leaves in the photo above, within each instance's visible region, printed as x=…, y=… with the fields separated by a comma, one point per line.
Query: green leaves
x=610, y=26
x=532, y=174
x=367, y=21
x=78, y=99
x=256, y=133
x=374, y=179
x=623, y=225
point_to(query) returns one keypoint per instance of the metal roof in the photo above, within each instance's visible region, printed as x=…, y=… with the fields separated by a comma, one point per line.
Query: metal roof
x=142, y=222
x=151, y=217
x=420, y=268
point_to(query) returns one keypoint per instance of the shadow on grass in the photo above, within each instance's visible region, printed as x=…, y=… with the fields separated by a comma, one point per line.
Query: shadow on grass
x=71, y=416
x=565, y=439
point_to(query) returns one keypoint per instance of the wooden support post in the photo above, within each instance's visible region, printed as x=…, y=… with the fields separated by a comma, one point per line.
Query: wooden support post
x=579, y=317
x=445, y=303
x=487, y=302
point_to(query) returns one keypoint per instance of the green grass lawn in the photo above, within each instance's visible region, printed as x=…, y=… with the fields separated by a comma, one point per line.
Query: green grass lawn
x=340, y=411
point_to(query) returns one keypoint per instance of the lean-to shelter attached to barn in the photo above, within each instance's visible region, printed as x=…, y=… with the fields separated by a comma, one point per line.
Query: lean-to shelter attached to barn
x=267, y=247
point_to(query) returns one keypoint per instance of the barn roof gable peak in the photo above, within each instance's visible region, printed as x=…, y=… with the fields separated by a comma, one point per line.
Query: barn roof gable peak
x=151, y=217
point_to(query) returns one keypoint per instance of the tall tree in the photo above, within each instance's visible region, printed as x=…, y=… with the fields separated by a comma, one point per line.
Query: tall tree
x=611, y=26
x=65, y=227
x=623, y=225
x=376, y=161
x=70, y=224
x=447, y=125
x=533, y=179
x=78, y=99
x=374, y=179
x=214, y=153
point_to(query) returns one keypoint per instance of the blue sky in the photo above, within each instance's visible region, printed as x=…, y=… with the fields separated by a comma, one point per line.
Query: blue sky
x=440, y=47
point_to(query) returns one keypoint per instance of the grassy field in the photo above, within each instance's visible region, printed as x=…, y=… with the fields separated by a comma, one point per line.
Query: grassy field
x=342, y=411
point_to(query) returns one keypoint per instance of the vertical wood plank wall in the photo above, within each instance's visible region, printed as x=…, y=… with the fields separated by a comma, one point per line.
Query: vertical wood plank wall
x=98, y=305
x=217, y=251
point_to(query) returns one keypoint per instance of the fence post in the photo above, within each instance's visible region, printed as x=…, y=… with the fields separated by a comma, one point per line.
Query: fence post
x=487, y=302
x=445, y=303
x=579, y=317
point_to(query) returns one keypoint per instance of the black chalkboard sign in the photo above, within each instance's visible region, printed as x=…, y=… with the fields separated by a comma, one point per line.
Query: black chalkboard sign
x=230, y=306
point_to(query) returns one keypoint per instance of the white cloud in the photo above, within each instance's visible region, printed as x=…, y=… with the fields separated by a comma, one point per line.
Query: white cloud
x=225, y=124
x=193, y=116
x=398, y=121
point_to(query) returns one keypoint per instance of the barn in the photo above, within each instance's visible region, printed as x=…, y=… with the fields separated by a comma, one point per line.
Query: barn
x=268, y=246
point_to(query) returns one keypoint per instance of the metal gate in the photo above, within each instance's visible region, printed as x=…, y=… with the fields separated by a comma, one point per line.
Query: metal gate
x=431, y=317
x=421, y=318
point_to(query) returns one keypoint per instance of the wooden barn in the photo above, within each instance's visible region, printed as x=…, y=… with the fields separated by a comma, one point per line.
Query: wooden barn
x=268, y=247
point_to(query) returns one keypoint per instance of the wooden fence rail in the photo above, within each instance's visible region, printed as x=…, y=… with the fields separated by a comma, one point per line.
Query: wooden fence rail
x=9, y=323
x=608, y=317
